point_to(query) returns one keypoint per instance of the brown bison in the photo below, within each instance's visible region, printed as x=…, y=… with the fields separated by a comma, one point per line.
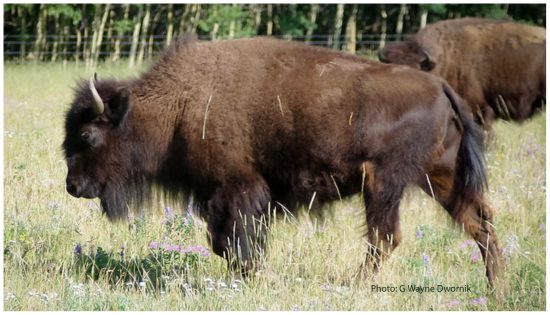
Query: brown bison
x=251, y=126
x=498, y=67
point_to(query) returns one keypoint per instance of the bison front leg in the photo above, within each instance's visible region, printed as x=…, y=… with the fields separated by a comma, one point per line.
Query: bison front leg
x=237, y=223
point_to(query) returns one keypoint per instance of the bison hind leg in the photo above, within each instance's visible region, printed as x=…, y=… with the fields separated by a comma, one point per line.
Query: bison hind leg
x=382, y=195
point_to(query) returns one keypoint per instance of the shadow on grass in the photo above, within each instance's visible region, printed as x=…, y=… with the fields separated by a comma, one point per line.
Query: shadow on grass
x=163, y=265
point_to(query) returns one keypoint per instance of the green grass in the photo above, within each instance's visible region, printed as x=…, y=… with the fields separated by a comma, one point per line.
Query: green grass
x=304, y=269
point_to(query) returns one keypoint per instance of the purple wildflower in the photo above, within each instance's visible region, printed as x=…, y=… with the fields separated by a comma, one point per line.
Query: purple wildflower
x=542, y=227
x=426, y=259
x=196, y=250
x=153, y=245
x=78, y=249
x=121, y=252
x=481, y=301
x=467, y=244
x=172, y=248
x=475, y=256
x=453, y=303
x=419, y=233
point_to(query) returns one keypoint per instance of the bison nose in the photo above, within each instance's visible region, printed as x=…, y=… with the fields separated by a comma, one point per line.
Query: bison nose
x=73, y=189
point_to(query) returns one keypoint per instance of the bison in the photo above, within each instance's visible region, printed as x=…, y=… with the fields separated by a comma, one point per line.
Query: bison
x=498, y=67
x=252, y=126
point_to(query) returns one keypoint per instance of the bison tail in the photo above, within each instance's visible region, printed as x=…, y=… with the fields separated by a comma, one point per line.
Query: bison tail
x=471, y=175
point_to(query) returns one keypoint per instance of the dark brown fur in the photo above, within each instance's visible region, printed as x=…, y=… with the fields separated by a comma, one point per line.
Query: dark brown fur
x=498, y=67
x=250, y=124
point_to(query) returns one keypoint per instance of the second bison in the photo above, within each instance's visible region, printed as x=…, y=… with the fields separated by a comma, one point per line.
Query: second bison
x=498, y=67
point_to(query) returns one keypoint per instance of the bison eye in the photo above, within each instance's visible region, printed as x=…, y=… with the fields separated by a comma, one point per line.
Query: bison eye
x=85, y=136
x=91, y=138
x=427, y=65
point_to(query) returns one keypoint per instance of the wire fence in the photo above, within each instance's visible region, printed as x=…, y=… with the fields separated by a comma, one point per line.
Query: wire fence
x=22, y=48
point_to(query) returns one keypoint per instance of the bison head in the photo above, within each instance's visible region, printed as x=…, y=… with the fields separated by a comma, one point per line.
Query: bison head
x=96, y=146
x=407, y=53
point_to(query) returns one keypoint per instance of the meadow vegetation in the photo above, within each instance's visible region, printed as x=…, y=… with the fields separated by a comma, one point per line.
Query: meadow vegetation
x=61, y=253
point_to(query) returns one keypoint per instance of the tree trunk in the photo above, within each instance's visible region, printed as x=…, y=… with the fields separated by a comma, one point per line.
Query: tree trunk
x=120, y=35
x=152, y=34
x=64, y=43
x=110, y=32
x=214, y=32
x=232, y=23
x=216, y=27
x=170, y=27
x=100, y=33
x=184, y=18
x=338, y=21
x=85, y=51
x=383, y=26
x=56, y=37
x=400, y=18
x=351, y=31
x=78, y=43
x=95, y=29
x=195, y=18
x=135, y=38
x=257, y=9
x=40, y=33
x=144, y=30
x=423, y=17
x=23, y=18
x=269, y=30
x=314, y=9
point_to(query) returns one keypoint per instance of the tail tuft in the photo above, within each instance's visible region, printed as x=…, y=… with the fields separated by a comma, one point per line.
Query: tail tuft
x=471, y=174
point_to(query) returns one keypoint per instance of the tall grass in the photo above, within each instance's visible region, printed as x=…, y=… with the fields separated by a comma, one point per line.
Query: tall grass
x=308, y=267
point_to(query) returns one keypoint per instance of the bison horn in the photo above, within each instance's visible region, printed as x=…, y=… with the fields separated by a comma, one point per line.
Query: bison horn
x=99, y=107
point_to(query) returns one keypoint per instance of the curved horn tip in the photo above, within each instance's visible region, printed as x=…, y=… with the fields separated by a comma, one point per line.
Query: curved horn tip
x=99, y=107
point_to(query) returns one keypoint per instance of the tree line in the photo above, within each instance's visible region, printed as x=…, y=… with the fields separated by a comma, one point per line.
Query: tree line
x=91, y=33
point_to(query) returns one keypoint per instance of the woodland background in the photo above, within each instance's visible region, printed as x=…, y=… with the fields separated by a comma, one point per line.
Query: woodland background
x=89, y=33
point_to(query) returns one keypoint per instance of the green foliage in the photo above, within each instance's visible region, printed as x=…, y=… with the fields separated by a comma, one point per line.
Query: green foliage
x=123, y=26
x=492, y=11
x=222, y=21
x=439, y=9
x=293, y=21
x=221, y=16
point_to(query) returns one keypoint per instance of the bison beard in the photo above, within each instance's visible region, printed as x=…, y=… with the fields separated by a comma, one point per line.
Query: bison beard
x=251, y=126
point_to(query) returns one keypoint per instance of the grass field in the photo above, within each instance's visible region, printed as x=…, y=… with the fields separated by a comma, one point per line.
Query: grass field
x=307, y=267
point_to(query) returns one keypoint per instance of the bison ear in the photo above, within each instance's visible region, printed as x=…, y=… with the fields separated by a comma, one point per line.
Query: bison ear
x=119, y=106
